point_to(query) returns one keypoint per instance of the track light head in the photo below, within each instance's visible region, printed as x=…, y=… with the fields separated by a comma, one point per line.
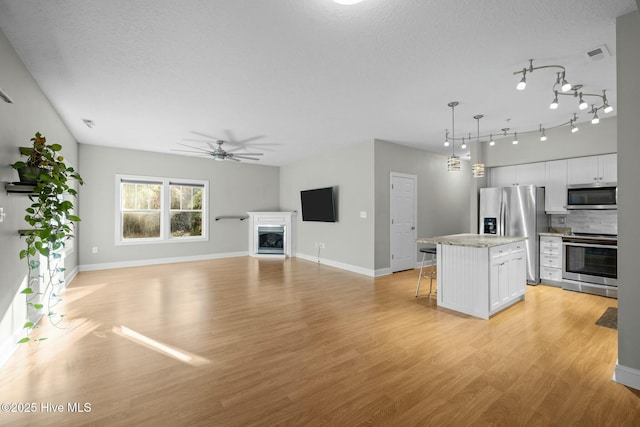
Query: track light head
x=523, y=82
x=566, y=86
x=607, y=108
x=515, y=138
x=491, y=141
x=554, y=103
x=595, y=120
x=582, y=104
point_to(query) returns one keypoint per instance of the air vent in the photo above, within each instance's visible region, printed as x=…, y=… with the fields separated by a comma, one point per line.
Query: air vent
x=597, y=53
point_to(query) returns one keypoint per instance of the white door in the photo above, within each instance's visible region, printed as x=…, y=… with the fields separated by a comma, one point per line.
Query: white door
x=403, y=221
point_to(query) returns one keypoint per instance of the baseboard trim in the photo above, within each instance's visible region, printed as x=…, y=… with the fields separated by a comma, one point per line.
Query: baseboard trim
x=156, y=261
x=383, y=272
x=72, y=275
x=336, y=264
x=627, y=376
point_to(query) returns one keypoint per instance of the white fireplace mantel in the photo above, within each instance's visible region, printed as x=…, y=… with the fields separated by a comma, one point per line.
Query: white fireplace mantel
x=285, y=219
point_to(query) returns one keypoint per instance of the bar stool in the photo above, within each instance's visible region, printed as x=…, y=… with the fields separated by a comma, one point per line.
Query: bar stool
x=432, y=270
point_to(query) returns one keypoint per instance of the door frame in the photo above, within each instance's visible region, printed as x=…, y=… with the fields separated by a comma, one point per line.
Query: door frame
x=415, y=215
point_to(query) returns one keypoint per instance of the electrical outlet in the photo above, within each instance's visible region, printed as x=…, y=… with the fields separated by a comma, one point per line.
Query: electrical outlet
x=562, y=219
x=94, y=250
x=321, y=245
x=363, y=214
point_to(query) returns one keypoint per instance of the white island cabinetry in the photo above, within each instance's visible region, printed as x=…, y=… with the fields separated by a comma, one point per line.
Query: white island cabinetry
x=478, y=274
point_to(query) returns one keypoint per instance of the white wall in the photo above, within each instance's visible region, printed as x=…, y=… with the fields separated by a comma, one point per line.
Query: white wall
x=561, y=144
x=30, y=113
x=443, y=197
x=234, y=189
x=349, y=243
x=628, y=66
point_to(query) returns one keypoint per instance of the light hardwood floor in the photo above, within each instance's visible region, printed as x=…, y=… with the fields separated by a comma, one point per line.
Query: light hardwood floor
x=295, y=343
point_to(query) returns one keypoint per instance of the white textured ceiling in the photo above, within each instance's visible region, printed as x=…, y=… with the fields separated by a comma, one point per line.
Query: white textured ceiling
x=307, y=76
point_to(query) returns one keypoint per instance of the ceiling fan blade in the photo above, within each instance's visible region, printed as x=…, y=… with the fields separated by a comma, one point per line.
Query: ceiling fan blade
x=253, y=138
x=248, y=154
x=204, y=135
x=189, y=151
x=231, y=158
x=201, y=141
x=195, y=148
x=245, y=157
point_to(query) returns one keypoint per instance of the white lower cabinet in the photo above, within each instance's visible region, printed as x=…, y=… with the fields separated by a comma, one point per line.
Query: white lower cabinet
x=551, y=260
x=507, y=275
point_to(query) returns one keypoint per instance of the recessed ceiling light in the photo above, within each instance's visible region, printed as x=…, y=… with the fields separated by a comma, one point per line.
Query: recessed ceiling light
x=347, y=2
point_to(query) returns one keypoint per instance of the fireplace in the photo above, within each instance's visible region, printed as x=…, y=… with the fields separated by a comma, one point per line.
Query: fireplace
x=270, y=239
x=271, y=234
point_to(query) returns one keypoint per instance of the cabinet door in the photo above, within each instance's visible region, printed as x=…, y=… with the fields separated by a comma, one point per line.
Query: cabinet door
x=503, y=176
x=582, y=170
x=530, y=174
x=498, y=283
x=555, y=193
x=517, y=268
x=608, y=168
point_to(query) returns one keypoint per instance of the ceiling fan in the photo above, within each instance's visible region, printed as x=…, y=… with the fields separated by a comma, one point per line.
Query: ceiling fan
x=218, y=153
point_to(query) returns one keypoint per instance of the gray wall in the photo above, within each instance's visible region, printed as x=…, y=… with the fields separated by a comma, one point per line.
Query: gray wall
x=234, y=189
x=628, y=66
x=31, y=112
x=349, y=241
x=443, y=197
x=561, y=144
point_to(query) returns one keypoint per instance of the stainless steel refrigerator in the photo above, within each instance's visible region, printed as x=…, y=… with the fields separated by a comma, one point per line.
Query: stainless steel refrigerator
x=516, y=211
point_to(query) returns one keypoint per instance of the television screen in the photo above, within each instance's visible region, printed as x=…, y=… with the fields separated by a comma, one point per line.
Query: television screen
x=318, y=205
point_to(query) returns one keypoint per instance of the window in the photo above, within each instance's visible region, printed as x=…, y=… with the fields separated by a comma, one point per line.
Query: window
x=157, y=210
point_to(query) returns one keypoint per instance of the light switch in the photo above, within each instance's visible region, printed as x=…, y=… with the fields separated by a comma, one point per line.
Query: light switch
x=363, y=214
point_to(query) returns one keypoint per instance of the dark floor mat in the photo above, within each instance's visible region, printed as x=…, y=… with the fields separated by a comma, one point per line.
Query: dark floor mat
x=609, y=319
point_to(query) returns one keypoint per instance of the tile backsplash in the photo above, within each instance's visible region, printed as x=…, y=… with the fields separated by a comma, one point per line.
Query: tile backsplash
x=586, y=221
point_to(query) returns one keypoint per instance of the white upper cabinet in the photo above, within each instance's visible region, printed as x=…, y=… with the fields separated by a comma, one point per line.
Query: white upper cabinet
x=593, y=169
x=530, y=174
x=527, y=174
x=503, y=176
x=555, y=194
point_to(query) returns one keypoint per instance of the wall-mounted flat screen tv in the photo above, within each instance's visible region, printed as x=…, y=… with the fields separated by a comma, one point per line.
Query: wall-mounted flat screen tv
x=318, y=205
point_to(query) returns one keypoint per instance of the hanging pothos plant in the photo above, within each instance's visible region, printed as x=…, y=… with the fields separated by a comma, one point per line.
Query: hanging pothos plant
x=50, y=218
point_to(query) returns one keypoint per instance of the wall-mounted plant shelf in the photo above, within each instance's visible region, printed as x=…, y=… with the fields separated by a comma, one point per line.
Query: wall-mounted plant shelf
x=240, y=217
x=23, y=233
x=19, y=188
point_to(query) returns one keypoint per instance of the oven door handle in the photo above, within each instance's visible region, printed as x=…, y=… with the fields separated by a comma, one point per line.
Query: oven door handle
x=590, y=245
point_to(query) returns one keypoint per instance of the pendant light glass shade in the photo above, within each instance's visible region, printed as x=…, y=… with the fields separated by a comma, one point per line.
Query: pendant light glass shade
x=453, y=163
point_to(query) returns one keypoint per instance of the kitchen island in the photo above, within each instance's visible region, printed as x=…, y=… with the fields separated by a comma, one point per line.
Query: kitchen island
x=479, y=274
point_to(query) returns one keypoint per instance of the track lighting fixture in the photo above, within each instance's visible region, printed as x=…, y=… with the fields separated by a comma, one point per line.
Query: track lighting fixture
x=446, y=138
x=554, y=103
x=562, y=83
x=515, y=138
x=491, y=141
x=464, y=144
x=572, y=125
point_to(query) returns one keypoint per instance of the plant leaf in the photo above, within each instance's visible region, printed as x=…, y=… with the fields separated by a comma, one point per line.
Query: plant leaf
x=38, y=306
x=24, y=340
x=27, y=325
x=27, y=291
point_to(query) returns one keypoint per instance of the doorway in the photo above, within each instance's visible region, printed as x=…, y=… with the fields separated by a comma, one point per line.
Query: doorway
x=403, y=213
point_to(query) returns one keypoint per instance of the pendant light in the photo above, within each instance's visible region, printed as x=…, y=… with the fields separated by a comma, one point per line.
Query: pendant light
x=453, y=162
x=477, y=169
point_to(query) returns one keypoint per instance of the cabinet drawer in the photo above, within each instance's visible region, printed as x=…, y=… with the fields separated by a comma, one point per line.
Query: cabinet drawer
x=550, y=250
x=516, y=247
x=552, y=240
x=547, y=273
x=498, y=251
x=551, y=261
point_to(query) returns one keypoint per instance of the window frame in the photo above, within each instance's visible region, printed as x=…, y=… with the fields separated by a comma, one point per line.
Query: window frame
x=165, y=209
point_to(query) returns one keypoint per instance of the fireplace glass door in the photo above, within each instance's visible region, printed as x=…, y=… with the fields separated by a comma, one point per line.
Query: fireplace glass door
x=270, y=239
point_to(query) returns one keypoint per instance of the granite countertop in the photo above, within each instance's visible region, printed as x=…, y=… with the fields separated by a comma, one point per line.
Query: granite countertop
x=553, y=234
x=472, y=240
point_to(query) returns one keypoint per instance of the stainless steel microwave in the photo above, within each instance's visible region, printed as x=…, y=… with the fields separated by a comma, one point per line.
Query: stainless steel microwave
x=603, y=195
